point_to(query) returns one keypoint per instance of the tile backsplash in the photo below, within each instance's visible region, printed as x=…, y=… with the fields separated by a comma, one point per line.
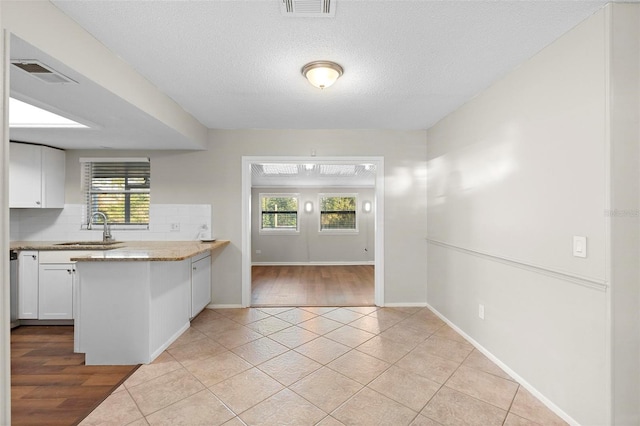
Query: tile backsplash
x=193, y=222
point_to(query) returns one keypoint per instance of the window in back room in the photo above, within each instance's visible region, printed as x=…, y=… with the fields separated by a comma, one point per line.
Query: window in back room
x=279, y=213
x=338, y=212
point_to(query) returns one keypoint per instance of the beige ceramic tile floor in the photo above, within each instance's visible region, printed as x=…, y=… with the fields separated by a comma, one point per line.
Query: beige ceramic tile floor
x=324, y=366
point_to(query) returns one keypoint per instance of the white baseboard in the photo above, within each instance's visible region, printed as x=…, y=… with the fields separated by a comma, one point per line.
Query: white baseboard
x=406, y=305
x=168, y=343
x=223, y=306
x=553, y=407
x=336, y=263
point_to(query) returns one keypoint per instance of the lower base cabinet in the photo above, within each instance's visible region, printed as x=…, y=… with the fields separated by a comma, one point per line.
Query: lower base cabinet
x=46, y=281
x=55, y=292
x=28, y=284
x=129, y=312
x=200, y=283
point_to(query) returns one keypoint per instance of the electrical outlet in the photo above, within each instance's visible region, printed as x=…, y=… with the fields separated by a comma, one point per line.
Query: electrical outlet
x=175, y=227
x=481, y=311
x=258, y=251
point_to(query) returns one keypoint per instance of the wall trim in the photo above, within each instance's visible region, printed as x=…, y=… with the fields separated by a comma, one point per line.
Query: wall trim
x=313, y=263
x=5, y=334
x=407, y=305
x=169, y=342
x=564, y=416
x=592, y=283
x=223, y=306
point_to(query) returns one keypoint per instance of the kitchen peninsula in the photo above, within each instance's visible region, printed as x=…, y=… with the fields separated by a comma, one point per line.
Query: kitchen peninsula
x=134, y=301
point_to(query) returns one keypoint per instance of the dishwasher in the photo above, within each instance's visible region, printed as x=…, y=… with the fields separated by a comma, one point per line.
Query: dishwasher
x=13, y=287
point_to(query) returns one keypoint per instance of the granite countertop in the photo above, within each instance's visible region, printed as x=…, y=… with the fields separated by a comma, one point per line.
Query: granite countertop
x=127, y=250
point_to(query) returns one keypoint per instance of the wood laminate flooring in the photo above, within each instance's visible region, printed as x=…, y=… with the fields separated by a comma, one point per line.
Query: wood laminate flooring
x=50, y=385
x=312, y=285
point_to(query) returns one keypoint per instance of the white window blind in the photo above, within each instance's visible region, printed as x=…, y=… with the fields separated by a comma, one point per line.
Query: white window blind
x=117, y=187
x=338, y=212
x=279, y=212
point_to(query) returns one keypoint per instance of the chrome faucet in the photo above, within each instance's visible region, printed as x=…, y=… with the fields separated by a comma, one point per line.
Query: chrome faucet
x=106, y=232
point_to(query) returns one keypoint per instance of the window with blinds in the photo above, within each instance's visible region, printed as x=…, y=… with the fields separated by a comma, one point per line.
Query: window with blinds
x=338, y=212
x=278, y=212
x=119, y=188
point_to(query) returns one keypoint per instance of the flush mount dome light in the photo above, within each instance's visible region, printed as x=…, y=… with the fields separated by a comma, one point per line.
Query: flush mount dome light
x=322, y=74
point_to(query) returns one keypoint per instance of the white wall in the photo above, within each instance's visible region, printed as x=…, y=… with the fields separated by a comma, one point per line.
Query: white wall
x=214, y=177
x=309, y=245
x=624, y=86
x=513, y=176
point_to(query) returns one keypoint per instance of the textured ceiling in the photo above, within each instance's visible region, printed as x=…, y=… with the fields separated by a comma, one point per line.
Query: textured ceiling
x=236, y=64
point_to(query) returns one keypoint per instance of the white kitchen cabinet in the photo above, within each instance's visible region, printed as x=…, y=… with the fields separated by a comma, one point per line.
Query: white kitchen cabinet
x=130, y=312
x=200, y=282
x=55, y=291
x=28, y=271
x=36, y=176
x=46, y=281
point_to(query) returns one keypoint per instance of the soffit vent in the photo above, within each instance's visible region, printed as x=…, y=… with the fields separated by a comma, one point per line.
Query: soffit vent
x=41, y=71
x=308, y=8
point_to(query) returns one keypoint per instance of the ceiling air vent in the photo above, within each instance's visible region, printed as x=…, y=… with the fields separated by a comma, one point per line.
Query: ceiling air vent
x=308, y=8
x=41, y=71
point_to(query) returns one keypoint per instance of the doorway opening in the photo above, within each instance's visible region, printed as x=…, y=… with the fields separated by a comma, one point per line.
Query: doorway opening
x=316, y=221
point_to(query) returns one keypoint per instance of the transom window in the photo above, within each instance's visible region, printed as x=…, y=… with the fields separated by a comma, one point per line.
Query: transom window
x=279, y=212
x=338, y=212
x=118, y=187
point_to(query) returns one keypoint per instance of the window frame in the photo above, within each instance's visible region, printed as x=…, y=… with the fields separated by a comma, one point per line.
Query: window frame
x=283, y=230
x=355, y=230
x=128, y=191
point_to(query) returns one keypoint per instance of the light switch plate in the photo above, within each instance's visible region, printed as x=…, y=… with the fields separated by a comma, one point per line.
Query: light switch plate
x=579, y=246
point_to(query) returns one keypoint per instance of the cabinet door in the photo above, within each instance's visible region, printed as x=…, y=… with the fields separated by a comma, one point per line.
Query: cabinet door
x=25, y=178
x=55, y=296
x=200, y=285
x=28, y=285
x=53, y=173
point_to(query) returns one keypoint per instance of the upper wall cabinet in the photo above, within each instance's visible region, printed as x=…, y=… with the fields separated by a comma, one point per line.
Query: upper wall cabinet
x=36, y=176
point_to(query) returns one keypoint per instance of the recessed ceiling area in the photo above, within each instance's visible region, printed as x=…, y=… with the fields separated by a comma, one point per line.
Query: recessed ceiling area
x=25, y=115
x=112, y=122
x=312, y=174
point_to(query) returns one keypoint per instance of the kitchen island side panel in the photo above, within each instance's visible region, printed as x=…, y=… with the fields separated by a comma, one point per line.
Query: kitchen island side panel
x=170, y=303
x=114, y=305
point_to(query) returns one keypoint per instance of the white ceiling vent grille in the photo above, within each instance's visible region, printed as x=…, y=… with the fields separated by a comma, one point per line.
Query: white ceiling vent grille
x=308, y=8
x=41, y=71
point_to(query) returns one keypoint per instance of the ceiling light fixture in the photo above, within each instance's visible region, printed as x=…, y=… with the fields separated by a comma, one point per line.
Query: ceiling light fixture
x=322, y=74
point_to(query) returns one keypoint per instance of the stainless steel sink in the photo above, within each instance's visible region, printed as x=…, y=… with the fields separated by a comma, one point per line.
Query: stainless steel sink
x=92, y=244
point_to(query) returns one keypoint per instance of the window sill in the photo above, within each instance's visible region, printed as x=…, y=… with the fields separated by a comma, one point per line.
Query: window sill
x=279, y=232
x=339, y=232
